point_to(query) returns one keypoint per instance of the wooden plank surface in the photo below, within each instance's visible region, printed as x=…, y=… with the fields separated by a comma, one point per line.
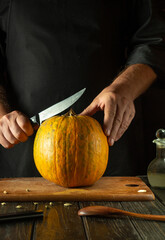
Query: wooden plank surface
x=60, y=221
x=19, y=230
x=122, y=227
x=109, y=228
x=113, y=228
x=148, y=229
x=106, y=189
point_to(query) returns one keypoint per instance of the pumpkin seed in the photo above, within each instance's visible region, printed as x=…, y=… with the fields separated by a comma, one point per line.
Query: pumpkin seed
x=18, y=206
x=67, y=204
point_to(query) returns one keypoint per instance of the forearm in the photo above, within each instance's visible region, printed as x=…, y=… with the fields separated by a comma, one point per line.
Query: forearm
x=4, y=105
x=133, y=81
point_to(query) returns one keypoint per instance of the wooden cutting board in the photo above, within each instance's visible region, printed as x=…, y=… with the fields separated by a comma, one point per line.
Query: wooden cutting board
x=106, y=189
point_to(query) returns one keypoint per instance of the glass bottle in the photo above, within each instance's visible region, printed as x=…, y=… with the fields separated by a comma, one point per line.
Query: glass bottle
x=156, y=169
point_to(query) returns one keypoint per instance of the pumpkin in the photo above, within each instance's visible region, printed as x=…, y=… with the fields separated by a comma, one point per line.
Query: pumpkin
x=71, y=150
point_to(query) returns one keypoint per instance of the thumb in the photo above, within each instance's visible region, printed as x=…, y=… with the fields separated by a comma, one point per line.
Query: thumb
x=91, y=109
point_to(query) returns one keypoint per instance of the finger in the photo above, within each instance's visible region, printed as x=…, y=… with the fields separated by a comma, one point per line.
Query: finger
x=11, y=130
x=91, y=109
x=6, y=134
x=4, y=142
x=127, y=119
x=17, y=132
x=9, y=136
x=116, y=124
x=24, y=123
x=109, y=115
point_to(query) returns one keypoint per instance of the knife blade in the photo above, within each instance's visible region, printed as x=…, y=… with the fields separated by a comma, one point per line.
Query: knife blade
x=57, y=108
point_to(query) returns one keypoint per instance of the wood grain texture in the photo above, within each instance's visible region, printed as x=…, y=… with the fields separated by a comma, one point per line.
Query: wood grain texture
x=60, y=222
x=19, y=230
x=109, y=228
x=147, y=229
x=105, y=189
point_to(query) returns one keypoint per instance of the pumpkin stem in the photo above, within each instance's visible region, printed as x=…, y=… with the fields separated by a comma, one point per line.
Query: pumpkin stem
x=70, y=113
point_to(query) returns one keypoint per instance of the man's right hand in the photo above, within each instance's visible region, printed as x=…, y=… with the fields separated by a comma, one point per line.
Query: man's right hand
x=15, y=127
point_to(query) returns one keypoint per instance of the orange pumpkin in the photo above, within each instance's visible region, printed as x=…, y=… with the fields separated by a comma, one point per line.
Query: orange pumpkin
x=71, y=150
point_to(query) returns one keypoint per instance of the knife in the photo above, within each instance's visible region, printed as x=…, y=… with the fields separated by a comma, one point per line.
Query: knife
x=56, y=108
x=21, y=215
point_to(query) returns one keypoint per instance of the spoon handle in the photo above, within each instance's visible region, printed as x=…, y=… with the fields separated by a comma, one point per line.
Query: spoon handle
x=145, y=216
x=107, y=211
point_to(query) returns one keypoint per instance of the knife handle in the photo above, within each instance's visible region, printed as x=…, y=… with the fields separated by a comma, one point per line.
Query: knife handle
x=35, y=122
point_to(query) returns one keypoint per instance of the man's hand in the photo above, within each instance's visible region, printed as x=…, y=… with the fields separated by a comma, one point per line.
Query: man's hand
x=117, y=100
x=14, y=128
x=118, y=113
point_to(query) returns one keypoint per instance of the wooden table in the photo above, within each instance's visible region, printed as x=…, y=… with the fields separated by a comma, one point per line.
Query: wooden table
x=61, y=221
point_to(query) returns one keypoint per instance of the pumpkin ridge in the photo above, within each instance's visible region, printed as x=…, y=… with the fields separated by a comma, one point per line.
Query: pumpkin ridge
x=56, y=145
x=67, y=149
x=90, y=126
x=66, y=154
x=55, y=162
x=84, y=123
x=69, y=144
x=96, y=172
x=76, y=147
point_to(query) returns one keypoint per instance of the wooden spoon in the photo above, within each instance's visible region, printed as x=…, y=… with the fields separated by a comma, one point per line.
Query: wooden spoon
x=106, y=211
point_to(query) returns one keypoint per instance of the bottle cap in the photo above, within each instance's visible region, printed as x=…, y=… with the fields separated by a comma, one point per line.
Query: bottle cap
x=160, y=134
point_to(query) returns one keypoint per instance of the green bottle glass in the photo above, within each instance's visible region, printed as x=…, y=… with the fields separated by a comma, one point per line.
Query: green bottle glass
x=156, y=169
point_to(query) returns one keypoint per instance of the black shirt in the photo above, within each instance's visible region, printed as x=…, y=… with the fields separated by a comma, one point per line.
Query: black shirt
x=51, y=49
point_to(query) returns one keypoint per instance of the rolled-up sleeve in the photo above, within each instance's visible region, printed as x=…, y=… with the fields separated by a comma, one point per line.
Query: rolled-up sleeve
x=147, y=46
